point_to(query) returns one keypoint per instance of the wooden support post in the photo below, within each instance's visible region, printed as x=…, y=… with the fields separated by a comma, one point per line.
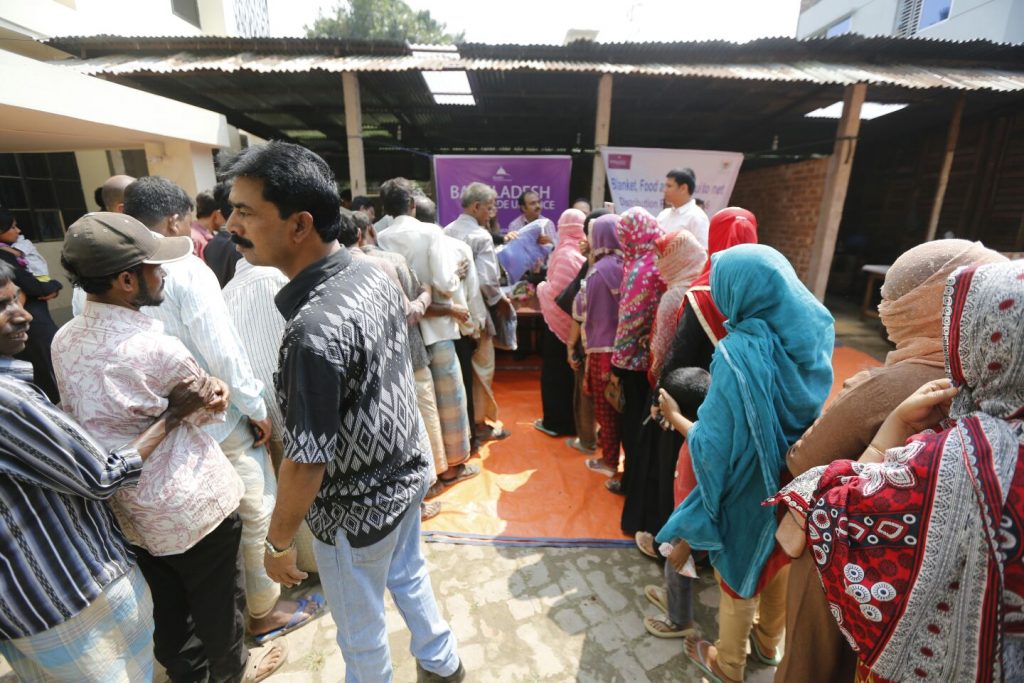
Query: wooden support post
x=604, y=119
x=947, y=165
x=837, y=182
x=354, y=133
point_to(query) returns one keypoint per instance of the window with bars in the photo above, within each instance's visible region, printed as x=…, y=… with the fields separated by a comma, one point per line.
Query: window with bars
x=916, y=15
x=43, y=191
x=932, y=12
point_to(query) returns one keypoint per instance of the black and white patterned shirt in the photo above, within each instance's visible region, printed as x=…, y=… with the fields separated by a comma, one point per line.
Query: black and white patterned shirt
x=346, y=390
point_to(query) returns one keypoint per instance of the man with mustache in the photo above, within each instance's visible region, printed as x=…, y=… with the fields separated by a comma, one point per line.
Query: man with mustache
x=355, y=462
x=76, y=608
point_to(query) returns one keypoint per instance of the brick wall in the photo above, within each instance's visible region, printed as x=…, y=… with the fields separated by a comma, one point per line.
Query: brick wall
x=786, y=200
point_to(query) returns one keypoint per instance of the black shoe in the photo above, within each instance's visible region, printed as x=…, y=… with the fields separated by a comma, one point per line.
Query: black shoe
x=424, y=676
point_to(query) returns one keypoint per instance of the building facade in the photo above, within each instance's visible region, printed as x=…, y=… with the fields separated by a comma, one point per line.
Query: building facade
x=1000, y=21
x=62, y=134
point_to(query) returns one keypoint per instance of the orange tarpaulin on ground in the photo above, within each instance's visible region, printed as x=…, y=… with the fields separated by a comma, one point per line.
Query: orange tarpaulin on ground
x=535, y=488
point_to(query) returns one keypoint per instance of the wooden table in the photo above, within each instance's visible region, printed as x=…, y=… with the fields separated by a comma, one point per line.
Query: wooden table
x=530, y=325
x=874, y=273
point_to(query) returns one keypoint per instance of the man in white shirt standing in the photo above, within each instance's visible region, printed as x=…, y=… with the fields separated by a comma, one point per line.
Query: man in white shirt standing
x=477, y=201
x=682, y=212
x=436, y=265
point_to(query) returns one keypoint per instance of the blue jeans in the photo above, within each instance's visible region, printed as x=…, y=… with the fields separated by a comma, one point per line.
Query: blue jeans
x=679, y=590
x=354, y=580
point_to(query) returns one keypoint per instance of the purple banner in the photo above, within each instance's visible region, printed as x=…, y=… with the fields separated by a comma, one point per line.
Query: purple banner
x=548, y=176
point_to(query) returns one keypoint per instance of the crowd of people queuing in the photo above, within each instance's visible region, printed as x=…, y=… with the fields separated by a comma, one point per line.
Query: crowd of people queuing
x=702, y=365
x=261, y=383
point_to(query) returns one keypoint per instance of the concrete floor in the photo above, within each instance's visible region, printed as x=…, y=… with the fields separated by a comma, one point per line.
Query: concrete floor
x=545, y=614
x=532, y=615
x=865, y=335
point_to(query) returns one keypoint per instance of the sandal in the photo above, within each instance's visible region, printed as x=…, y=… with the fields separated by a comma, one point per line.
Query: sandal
x=298, y=619
x=464, y=472
x=615, y=486
x=574, y=442
x=435, y=490
x=256, y=657
x=538, y=424
x=658, y=597
x=430, y=510
x=758, y=654
x=597, y=465
x=699, y=657
x=661, y=627
x=645, y=543
x=492, y=434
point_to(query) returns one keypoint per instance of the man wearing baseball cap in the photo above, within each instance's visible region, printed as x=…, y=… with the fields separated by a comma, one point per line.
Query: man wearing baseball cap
x=115, y=368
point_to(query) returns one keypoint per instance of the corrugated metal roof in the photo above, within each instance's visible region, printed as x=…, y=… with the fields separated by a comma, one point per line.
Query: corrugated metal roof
x=818, y=72
x=110, y=44
x=845, y=48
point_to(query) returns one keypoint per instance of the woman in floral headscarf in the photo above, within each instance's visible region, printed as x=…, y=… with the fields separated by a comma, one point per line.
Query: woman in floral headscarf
x=920, y=543
x=556, y=376
x=911, y=311
x=679, y=258
x=641, y=291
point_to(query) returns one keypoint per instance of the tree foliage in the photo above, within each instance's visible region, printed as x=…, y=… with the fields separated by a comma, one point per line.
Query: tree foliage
x=381, y=20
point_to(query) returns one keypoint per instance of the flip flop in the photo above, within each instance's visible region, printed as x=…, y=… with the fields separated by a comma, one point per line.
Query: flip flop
x=297, y=620
x=597, y=465
x=642, y=539
x=539, y=426
x=256, y=657
x=436, y=489
x=759, y=655
x=430, y=510
x=657, y=596
x=574, y=442
x=698, y=659
x=493, y=435
x=650, y=623
x=466, y=472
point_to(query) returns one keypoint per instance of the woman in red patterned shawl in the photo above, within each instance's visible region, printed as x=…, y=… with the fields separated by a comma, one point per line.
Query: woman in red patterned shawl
x=919, y=543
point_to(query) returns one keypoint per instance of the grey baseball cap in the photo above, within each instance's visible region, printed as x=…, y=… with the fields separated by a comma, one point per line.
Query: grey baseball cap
x=104, y=243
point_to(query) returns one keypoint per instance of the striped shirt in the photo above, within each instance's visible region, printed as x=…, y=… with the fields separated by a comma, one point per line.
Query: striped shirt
x=250, y=299
x=59, y=544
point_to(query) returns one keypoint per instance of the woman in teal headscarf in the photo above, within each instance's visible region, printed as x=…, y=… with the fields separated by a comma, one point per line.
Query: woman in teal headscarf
x=770, y=376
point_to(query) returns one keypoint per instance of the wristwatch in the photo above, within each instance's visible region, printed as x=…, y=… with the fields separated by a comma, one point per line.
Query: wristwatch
x=274, y=551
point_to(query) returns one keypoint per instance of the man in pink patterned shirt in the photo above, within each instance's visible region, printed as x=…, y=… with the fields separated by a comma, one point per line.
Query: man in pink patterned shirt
x=117, y=368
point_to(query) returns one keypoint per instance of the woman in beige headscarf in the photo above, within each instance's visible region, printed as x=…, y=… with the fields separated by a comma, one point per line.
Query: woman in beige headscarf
x=911, y=311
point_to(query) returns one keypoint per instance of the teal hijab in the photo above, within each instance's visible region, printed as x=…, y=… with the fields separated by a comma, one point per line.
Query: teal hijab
x=770, y=376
